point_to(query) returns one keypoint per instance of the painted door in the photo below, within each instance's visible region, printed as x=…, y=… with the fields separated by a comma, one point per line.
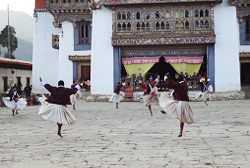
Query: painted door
x=85, y=72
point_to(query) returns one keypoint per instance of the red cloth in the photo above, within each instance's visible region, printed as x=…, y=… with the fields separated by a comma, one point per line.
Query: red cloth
x=59, y=95
x=117, y=88
x=180, y=90
x=144, y=87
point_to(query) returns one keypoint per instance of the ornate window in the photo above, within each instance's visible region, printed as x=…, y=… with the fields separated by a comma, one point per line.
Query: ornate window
x=206, y=24
x=196, y=13
x=138, y=15
x=83, y=30
x=128, y=26
x=157, y=15
x=206, y=13
x=157, y=26
x=169, y=19
x=148, y=26
x=123, y=16
x=55, y=41
x=148, y=15
x=124, y=26
x=201, y=24
x=119, y=17
x=138, y=26
x=186, y=25
x=128, y=16
x=142, y=15
x=119, y=27
x=167, y=25
x=201, y=13
x=186, y=14
x=167, y=15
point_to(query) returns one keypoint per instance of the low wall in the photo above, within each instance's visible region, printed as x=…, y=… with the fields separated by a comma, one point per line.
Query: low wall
x=137, y=96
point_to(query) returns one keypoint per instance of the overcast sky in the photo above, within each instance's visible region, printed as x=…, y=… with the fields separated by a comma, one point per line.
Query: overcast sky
x=26, y=6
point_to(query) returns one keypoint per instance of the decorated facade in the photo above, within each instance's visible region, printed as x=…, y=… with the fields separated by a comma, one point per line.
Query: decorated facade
x=103, y=41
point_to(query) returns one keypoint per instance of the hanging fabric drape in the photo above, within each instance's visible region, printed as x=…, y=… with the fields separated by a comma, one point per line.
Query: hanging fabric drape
x=185, y=63
x=139, y=64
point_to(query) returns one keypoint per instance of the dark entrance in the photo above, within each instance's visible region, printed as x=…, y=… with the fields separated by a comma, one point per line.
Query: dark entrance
x=5, y=83
x=85, y=72
x=245, y=71
x=161, y=68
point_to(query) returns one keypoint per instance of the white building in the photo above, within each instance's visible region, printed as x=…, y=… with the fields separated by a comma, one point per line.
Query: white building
x=14, y=72
x=102, y=41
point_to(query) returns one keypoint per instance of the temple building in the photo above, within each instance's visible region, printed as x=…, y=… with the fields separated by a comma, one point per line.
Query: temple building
x=103, y=41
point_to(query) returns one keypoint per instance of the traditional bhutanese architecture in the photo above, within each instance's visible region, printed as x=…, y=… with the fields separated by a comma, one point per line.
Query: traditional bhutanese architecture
x=105, y=40
x=14, y=72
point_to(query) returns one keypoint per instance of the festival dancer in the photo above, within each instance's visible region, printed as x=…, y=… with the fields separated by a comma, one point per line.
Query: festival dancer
x=203, y=93
x=54, y=107
x=14, y=101
x=149, y=91
x=75, y=97
x=178, y=107
x=116, y=96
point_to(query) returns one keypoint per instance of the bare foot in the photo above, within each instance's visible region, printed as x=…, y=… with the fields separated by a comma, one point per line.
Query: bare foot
x=163, y=112
x=59, y=135
x=180, y=135
x=206, y=103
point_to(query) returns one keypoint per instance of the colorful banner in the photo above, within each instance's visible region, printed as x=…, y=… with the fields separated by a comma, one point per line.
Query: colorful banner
x=189, y=59
x=140, y=59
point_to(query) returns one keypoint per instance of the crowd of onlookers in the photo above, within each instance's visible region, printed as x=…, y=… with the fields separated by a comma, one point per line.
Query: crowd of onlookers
x=192, y=80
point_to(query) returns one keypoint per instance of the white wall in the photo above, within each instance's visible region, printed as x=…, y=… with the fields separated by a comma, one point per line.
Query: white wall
x=45, y=58
x=12, y=78
x=66, y=48
x=244, y=48
x=227, y=68
x=102, y=52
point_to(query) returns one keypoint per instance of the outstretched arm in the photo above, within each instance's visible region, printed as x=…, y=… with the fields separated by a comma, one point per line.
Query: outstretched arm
x=41, y=82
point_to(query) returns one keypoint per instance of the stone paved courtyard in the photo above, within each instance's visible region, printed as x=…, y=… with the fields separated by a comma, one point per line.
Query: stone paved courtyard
x=129, y=137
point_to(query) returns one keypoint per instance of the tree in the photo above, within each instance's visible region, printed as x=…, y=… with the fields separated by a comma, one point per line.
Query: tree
x=13, y=41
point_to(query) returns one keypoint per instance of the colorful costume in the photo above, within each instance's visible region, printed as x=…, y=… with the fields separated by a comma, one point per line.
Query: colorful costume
x=149, y=90
x=54, y=107
x=14, y=101
x=178, y=107
x=116, y=96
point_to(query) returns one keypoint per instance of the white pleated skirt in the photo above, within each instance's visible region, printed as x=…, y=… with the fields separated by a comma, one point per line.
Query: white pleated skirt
x=55, y=113
x=75, y=97
x=19, y=105
x=202, y=95
x=147, y=99
x=180, y=110
x=116, y=98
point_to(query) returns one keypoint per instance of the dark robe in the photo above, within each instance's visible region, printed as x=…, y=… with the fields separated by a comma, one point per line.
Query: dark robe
x=117, y=88
x=180, y=90
x=59, y=95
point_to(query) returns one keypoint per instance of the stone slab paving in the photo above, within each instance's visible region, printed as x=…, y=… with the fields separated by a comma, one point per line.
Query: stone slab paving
x=105, y=137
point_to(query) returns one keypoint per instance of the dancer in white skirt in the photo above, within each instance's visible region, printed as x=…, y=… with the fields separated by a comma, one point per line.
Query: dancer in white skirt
x=178, y=107
x=203, y=93
x=14, y=101
x=75, y=97
x=149, y=91
x=54, y=107
x=116, y=96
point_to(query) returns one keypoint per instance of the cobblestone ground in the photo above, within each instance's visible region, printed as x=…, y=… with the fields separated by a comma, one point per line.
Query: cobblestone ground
x=129, y=137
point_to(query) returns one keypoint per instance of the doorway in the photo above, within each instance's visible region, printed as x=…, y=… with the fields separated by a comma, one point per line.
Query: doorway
x=85, y=72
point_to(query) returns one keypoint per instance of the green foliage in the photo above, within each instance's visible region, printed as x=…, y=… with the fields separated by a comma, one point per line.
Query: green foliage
x=13, y=40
